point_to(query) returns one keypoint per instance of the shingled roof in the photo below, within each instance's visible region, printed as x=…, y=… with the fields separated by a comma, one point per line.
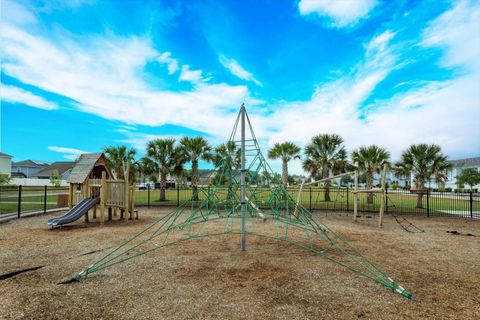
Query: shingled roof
x=84, y=166
x=466, y=163
x=60, y=166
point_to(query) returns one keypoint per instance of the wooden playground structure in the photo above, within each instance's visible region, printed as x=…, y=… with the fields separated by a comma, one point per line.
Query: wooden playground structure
x=91, y=177
x=356, y=191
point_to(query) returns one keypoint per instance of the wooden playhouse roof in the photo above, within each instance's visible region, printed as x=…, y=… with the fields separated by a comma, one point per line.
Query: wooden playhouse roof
x=84, y=166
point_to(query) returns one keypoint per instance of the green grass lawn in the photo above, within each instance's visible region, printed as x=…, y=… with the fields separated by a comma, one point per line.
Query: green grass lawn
x=26, y=207
x=339, y=200
x=32, y=200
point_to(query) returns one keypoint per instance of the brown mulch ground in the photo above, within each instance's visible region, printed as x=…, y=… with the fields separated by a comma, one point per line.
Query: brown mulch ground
x=211, y=279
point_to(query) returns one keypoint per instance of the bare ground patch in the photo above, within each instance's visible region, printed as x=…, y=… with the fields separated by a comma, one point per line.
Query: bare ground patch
x=211, y=279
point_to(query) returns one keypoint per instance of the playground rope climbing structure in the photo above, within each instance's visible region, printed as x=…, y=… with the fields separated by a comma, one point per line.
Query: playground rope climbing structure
x=245, y=201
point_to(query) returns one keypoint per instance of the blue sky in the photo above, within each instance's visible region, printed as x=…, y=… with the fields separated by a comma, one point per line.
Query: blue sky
x=81, y=75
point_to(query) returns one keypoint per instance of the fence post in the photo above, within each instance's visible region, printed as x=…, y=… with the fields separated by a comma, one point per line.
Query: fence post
x=208, y=199
x=178, y=195
x=347, y=199
x=428, y=202
x=386, y=200
x=19, y=201
x=471, y=204
x=45, y=200
x=148, y=196
x=310, y=201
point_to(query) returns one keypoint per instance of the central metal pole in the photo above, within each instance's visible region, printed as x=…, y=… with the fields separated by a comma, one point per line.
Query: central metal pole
x=242, y=180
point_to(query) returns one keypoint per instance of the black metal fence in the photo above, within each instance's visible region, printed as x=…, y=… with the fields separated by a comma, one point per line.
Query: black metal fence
x=18, y=201
x=26, y=200
x=427, y=203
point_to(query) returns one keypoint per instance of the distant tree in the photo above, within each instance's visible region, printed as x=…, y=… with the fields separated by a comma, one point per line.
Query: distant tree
x=285, y=151
x=120, y=158
x=424, y=162
x=469, y=176
x=226, y=157
x=167, y=157
x=195, y=149
x=325, y=155
x=147, y=168
x=4, y=179
x=370, y=160
x=55, y=178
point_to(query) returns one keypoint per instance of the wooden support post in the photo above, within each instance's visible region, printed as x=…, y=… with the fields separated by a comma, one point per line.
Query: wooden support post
x=95, y=212
x=330, y=178
x=109, y=213
x=103, y=196
x=355, y=202
x=132, y=204
x=85, y=195
x=382, y=197
x=70, y=195
x=126, y=203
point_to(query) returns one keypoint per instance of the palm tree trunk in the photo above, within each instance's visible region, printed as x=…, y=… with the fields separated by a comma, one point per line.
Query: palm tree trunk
x=420, y=190
x=194, y=179
x=163, y=185
x=285, y=173
x=369, y=186
x=326, y=192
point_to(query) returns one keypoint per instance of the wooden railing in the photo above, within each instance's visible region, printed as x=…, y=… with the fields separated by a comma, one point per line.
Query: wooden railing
x=95, y=182
x=115, y=193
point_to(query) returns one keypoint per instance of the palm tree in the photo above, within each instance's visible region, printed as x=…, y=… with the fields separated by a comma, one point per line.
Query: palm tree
x=325, y=154
x=195, y=149
x=167, y=157
x=148, y=168
x=228, y=158
x=423, y=162
x=285, y=151
x=118, y=157
x=370, y=160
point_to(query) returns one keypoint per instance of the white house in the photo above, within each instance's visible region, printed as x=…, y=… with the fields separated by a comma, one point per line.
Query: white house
x=458, y=166
x=28, y=167
x=5, y=164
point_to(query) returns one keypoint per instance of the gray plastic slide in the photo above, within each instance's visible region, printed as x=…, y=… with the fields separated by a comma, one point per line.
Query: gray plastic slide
x=75, y=213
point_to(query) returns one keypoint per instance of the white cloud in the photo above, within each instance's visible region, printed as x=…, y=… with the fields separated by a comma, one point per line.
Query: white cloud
x=16, y=95
x=139, y=140
x=103, y=74
x=457, y=32
x=190, y=75
x=171, y=63
x=15, y=13
x=443, y=112
x=69, y=153
x=237, y=70
x=341, y=13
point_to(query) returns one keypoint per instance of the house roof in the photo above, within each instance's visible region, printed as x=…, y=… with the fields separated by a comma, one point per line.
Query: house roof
x=465, y=163
x=30, y=164
x=60, y=166
x=4, y=155
x=84, y=166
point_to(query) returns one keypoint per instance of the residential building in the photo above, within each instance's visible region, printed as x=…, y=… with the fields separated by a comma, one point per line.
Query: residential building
x=63, y=167
x=458, y=166
x=28, y=167
x=5, y=164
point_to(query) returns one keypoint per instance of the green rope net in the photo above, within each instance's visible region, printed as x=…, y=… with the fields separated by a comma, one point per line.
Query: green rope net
x=272, y=212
